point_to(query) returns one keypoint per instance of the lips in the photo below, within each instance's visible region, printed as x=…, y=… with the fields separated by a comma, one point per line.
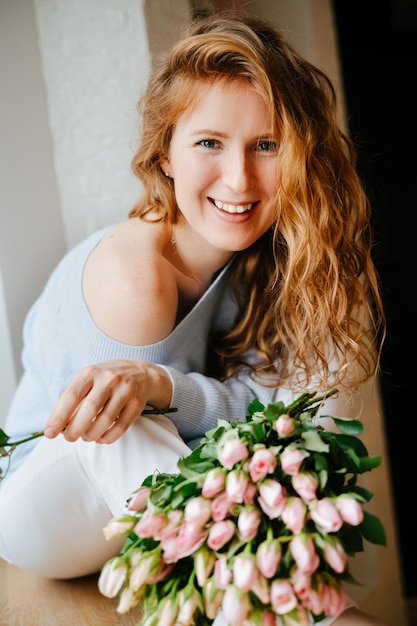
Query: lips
x=232, y=208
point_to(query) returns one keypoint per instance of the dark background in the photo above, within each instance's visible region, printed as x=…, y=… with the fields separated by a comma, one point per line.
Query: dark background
x=378, y=48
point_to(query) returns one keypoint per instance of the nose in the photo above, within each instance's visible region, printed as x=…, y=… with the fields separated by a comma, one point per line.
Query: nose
x=239, y=171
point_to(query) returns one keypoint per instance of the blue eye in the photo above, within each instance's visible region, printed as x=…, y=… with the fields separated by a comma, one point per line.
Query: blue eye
x=208, y=143
x=267, y=146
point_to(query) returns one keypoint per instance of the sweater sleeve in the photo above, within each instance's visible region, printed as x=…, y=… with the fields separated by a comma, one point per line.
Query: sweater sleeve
x=201, y=401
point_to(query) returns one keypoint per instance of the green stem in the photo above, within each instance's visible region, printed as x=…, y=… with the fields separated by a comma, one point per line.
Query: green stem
x=307, y=400
x=13, y=444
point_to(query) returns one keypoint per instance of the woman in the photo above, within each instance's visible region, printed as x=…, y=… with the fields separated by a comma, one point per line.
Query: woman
x=245, y=266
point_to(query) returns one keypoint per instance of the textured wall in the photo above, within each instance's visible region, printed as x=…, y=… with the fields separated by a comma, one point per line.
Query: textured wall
x=95, y=64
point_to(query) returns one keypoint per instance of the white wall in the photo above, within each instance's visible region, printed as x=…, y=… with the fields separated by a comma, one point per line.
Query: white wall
x=95, y=63
x=31, y=233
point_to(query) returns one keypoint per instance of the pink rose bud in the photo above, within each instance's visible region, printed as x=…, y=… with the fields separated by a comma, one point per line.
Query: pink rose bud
x=235, y=606
x=167, y=612
x=112, y=577
x=212, y=598
x=261, y=589
x=236, y=483
x=139, y=499
x=335, y=555
x=325, y=515
x=304, y=553
x=272, y=497
x=245, y=571
x=268, y=557
x=150, y=524
x=350, y=510
x=285, y=425
x=283, y=598
x=204, y=562
x=248, y=523
x=305, y=484
x=314, y=601
x=262, y=463
x=145, y=571
x=334, y=600
x=188, y=603
x=223, y=576
x=233, y=451
x=117, y=527
x=220, y=507
x=189, y=539
x=127, y=600
x=301, y=583
x=220, y=533
x=198, y=510
x=250, y=492
x=169, y=549
x=214, y=482
x=294, y=514
x=292, y=459
x=174, y=520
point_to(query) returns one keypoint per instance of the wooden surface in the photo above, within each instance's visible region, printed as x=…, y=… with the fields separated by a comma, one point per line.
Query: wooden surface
x=28, y=600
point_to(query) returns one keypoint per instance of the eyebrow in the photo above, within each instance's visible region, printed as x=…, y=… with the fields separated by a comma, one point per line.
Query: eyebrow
x=217, y=133
x=209, y=131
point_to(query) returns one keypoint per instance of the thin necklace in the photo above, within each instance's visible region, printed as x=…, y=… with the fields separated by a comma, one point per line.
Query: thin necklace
x=192, y=276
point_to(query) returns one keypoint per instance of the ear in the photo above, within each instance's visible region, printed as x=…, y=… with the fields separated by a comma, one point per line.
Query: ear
x=165, y=164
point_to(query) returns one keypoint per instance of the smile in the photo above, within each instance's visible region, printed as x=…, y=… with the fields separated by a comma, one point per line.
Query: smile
x=232, y=208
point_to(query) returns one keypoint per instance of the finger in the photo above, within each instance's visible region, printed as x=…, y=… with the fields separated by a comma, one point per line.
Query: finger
x=120, y=406
x=120, y=425
x=68, y=404
x=90, y=417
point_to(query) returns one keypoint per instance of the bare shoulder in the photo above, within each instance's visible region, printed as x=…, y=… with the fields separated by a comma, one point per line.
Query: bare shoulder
x=129, y=286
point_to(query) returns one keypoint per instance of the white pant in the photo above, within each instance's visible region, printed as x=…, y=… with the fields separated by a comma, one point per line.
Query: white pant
x=54, y=507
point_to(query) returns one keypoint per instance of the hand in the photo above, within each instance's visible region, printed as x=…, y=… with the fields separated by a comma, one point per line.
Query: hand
x=105, y=399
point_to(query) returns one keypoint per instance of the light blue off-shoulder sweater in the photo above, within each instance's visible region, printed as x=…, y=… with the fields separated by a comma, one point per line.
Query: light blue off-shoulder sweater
x=60, y=338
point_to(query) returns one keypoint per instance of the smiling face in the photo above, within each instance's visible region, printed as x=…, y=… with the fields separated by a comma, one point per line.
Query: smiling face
x=223, y=161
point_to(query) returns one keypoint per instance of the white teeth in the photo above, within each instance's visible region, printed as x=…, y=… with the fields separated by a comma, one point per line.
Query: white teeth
x=232, y=208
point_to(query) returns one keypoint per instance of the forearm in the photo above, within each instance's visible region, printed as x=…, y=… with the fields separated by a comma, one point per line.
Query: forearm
x=201, y=401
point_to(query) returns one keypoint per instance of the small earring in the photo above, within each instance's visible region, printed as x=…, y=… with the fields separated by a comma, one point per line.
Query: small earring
x=166, y=173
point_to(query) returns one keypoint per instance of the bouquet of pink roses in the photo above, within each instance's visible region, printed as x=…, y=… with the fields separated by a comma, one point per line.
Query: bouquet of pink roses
x=259, y=521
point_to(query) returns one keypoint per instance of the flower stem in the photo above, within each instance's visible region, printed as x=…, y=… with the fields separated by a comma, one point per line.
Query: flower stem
x=13, y=444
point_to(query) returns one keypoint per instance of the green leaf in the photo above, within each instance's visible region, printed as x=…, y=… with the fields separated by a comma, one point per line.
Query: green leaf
x=255, y=407
x=351, y=538
x=368, y=463
x=372, y=529
x=209, y=451
x=255, y=429
x=313, y=441
x=323, y=476
x=194, y=471
x=364, y=494
x=347, y=425
x=275, y=409
x=161, y=494
x=3, y=438
x=348, y=442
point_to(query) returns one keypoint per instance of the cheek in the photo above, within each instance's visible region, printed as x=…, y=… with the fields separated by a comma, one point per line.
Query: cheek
x=191, y=177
